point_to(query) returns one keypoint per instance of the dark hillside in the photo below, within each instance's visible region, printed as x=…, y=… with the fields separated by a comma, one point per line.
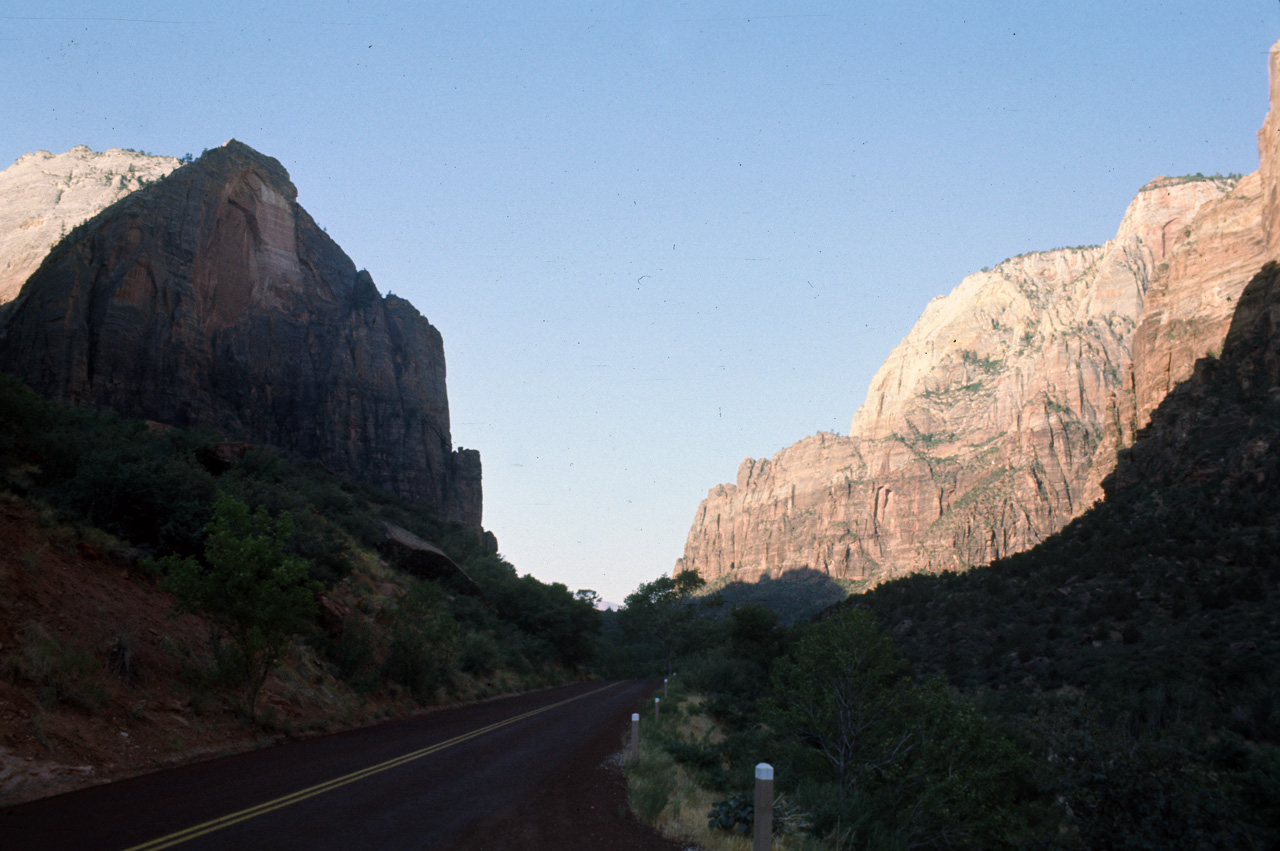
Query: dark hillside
x=105, y=509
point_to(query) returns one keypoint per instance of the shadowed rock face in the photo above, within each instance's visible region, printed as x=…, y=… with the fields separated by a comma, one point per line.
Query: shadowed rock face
x=995, y=421
x=212, y=297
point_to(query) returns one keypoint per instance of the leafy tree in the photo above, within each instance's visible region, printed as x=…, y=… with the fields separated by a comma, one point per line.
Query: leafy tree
x=840, y=690
x=258, y=596
x=105, y=470
x=144, y=491
x=564, y=626
x=754, y=634
x=662, y=610
x=912, y=760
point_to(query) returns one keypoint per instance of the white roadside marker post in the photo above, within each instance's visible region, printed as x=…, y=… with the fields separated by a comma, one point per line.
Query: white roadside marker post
x=655, y=708
x=664, y=687
x=762, y=834
x=635, y=737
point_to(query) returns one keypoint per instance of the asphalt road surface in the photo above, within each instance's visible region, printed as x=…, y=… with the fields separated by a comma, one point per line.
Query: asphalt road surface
x=418, y=783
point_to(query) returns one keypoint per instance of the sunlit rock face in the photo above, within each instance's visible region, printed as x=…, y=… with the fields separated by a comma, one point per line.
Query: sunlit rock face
x=212, y=297
x=1269, y=155
x=43, y=196
x=995, y=421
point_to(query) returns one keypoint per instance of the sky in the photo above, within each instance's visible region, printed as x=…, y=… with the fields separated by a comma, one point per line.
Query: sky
x=661, y=237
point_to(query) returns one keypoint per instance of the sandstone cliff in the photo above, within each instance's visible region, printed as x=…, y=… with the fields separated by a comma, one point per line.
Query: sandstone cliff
x=1217, y=428
x=212, y=297
x=995, y=421
x=44, y=196
x=1269, y=154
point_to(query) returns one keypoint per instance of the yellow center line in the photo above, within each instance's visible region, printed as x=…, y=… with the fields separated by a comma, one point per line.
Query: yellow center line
x=320, y=788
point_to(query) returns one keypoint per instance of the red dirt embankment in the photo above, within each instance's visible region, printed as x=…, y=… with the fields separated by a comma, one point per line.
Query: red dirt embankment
x=68, y=616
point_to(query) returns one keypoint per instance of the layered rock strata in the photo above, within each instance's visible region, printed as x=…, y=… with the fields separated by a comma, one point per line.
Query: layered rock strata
x=995, y=421
x=212, y=297
x=1218, y=428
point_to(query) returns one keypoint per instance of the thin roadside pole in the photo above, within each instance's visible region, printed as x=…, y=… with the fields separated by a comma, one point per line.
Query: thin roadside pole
x=762, y=830
x=635, y=737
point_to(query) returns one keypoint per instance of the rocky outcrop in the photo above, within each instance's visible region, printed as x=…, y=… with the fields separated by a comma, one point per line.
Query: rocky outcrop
x=1193, y=294
x=46, y=195
x=213, y=297
x=410, y=554
x=995, y=421
x=1218, y=428
x=1269, y=154
x=1197, y=289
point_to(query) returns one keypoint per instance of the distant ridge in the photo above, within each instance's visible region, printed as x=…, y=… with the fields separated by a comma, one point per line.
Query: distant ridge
x=994, y=422
x=43, y=196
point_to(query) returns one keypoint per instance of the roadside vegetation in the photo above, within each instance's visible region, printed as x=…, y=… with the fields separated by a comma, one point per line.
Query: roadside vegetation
x=875, y=747
x=866, y=753
x=285, y=561
x=675, y=785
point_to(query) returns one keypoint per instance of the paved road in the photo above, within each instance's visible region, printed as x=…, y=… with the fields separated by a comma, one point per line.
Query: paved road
x=406, y=784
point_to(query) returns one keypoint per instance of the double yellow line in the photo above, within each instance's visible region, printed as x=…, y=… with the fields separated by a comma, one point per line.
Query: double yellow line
x=320, y=788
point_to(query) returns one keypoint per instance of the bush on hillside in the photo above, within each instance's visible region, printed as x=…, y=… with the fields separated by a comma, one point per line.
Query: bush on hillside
x=259, y=597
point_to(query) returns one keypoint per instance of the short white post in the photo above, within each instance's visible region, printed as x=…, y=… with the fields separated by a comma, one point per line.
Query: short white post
x=762, y=834
x=664, y=687
x=655, y=708
x=635, y=736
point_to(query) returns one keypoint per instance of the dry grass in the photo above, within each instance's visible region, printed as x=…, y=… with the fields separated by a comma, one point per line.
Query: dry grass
x=62, y=672
x=668, y=798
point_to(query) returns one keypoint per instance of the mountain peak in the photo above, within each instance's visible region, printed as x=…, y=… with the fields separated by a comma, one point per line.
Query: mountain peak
x=212, y=297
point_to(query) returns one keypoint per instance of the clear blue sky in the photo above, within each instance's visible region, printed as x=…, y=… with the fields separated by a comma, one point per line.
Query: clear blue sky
x=659, y=237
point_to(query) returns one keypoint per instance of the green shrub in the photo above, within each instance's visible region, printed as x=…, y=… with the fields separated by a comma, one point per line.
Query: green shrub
x=257, y=595
x=143, y=492
x=919, y=759
x=649, y=798
x=1118, y=791
x=352, y=653
x=735, y=814
x=652, y=780
x=480, y=653
x=421, y=655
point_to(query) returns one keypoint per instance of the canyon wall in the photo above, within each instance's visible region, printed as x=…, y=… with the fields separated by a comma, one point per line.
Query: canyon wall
x=995, y=421
x=212, y=297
